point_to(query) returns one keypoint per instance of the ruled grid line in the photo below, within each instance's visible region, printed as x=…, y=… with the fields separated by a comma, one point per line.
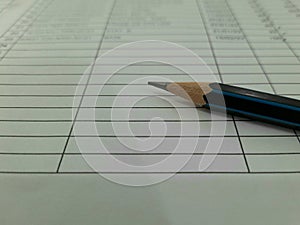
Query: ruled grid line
x=157, y=154
x=204, y=56
x=268, y=79
x=298, y=137
x=284, y=41
x=107, y=95
x=145, y=136
x=87, y=83
x=112, y=84
x=93, y=41
x=145, y=173
x=243, y=130
x=209, y=64
x=219, y=72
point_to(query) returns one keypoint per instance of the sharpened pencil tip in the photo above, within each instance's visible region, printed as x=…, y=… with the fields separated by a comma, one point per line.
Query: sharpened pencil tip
x=162, y=85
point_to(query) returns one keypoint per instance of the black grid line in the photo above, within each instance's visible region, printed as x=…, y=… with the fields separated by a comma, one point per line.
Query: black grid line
x=285, y=41
x=241, y=144
x=143, y=136
x=140, y=49
x=205, y=56
x=104, y=95
x=109, y=25
x=298, y=137
x=150, y=154
x=209, y=64
x=175, y=74
x=92, y=41
x=149, y=173
x=87, y=83
x=135, y=121
x=115, y=84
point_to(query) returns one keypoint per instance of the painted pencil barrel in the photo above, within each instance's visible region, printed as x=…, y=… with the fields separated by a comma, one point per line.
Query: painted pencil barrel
x=255, y=105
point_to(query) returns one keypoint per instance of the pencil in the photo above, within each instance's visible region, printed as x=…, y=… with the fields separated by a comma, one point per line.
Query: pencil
x=238, y=101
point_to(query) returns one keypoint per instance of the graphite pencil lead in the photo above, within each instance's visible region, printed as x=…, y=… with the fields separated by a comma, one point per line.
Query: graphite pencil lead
x=162, y=85
x=192, y=91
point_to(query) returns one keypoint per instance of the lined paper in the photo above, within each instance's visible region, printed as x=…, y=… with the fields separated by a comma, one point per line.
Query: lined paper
x=47, y=89
x=45, y=53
